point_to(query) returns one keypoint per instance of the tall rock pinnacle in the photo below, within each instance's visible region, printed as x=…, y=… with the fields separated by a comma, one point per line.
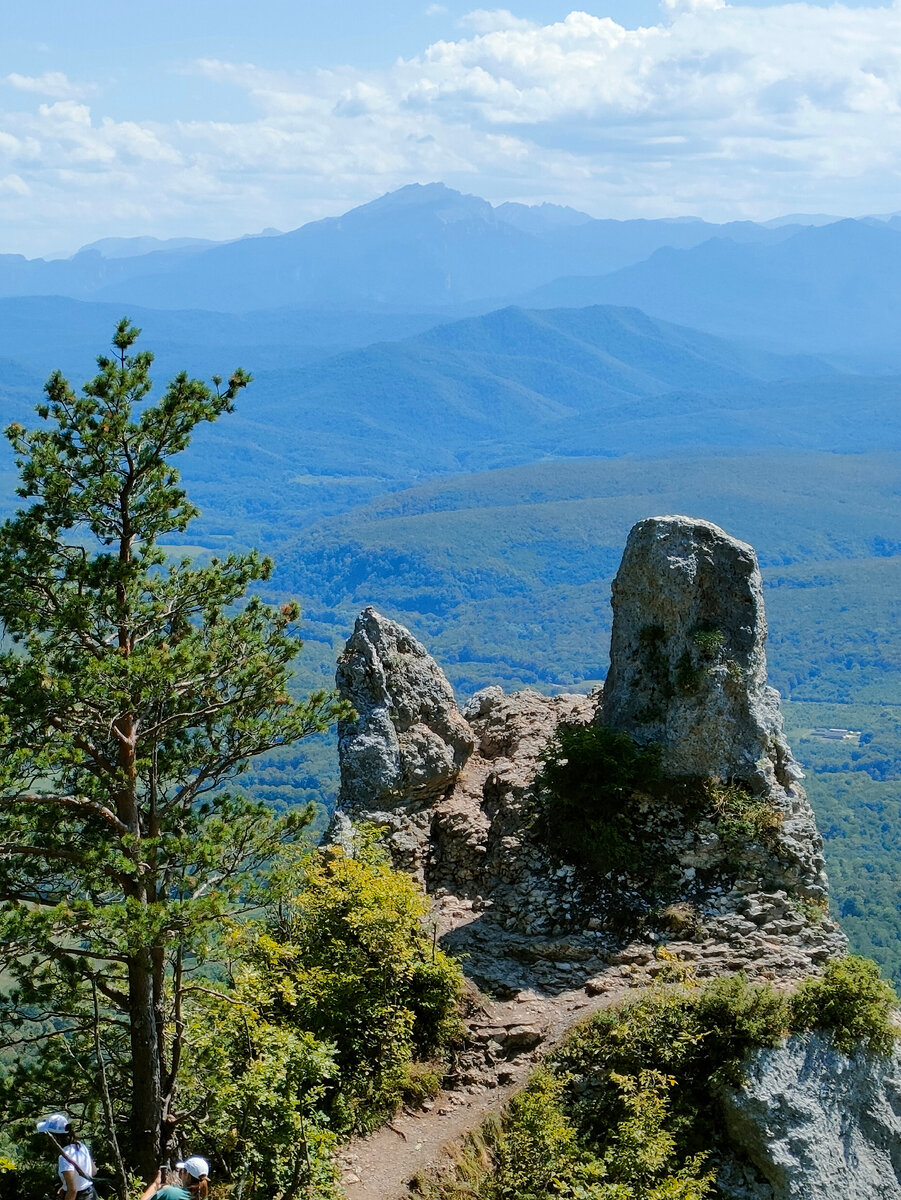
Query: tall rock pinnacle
x=687, y=660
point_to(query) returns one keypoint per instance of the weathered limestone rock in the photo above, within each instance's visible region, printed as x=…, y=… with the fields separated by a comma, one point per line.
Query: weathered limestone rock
x=409, y=740
x=687, y=660
x=688, y=673
x=818, y=1124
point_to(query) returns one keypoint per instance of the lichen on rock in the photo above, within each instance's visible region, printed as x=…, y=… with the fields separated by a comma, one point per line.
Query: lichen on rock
x=817, y=1123
x=687, y=655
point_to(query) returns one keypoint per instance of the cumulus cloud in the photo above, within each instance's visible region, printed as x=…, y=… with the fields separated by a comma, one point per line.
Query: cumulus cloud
x=51, y=83
x=717, y=110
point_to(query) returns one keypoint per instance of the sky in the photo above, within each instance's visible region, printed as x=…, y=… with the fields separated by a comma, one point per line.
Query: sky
x=215, y=118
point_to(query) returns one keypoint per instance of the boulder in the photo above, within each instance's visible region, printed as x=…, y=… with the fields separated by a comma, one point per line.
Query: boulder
x=408, y=741
x=816, y=1123
x=687, y=658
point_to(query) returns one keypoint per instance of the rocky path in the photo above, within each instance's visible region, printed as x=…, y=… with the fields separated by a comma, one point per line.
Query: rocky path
x=506, y=1038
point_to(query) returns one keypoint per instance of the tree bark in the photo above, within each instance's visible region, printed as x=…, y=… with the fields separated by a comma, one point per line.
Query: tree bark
x=146, y=1094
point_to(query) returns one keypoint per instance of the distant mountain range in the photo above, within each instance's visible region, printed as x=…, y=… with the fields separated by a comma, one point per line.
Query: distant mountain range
x=425, y=255
x=827, y=290
x=419, y=247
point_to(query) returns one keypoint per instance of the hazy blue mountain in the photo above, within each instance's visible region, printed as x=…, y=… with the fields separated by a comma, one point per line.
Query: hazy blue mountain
x=46, y=332
x=422, y=247
x=515, y=383
x=130, y=247
x=540, y=218
x=833, y=289
x=510, y=387
x=801, y=219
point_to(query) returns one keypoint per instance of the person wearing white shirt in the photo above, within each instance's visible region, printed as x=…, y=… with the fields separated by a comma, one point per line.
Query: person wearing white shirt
x=75, y=1165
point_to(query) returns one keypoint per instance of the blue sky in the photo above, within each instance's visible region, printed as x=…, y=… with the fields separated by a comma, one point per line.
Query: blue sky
x=219, y=117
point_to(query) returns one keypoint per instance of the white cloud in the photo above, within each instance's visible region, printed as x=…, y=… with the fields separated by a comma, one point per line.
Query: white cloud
x=435, y=10
x=51, y=83
x=493, y=20
x=717, y=110
x=680, y=6
x=14, y=185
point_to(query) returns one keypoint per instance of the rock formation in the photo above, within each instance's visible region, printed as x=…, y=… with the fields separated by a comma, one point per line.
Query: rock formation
x=408, y=742
x=688, y=674
x=816, y=1123
x=687, y=658
x=454, y=791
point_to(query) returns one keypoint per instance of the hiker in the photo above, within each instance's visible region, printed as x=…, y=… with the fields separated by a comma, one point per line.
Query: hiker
x=167, y=1186
x=195, y=1176
x=75, y=1166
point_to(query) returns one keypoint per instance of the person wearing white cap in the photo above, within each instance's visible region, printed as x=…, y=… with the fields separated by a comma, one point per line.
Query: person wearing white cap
x=75, y=1166
x=167, y=1186
x=195, y=1176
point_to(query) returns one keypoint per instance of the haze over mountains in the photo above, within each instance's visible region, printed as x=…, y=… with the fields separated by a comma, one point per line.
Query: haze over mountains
x=382, y=353
x=591, y=372
x=425, y=251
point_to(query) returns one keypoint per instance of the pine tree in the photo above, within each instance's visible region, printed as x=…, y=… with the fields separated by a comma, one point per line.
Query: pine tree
x=132, y=689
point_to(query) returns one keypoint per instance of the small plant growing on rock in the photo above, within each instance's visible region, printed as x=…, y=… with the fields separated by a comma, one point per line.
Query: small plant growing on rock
x=853, y=1002
x=709, y=641
x=741, y=818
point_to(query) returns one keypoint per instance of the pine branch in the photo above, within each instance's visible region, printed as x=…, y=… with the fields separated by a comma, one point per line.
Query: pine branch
x=75, y=803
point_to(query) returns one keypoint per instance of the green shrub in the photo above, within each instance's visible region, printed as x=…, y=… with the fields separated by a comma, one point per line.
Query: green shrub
x=588, y=778
x=539, y=1143
x=740, y=817
x=605, y=806
x=673, y=1046
x=336, y=1009
x=709, y=641
x=625, y=1108
x=852, y=1002
x=423, y=1082
x=347, y=957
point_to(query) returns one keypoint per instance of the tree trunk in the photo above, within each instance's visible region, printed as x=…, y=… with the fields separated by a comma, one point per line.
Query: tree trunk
x=147, y=1093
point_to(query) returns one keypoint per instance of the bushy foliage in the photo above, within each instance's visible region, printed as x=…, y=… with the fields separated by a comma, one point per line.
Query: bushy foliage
x=588, y=777
x=606, y=806
x=853, y=1002
x=312, y=1020
x=347, y=957
x=537, y=1145
x=625, y=1108
x=740, y=817
x=338, y=1007
x=261, y=1087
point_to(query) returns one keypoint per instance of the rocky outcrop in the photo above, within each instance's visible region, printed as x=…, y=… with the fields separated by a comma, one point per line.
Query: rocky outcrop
x=688, y=674
x=408, y=740
x=817, y=1124
x=406, y=747
x=687, y=655
x=454, y=790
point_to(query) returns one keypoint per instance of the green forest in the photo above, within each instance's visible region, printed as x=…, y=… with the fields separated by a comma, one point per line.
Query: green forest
x=169, y=925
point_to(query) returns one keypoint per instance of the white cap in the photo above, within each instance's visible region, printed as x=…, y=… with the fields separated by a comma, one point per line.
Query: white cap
x=55, y=1123
x=195, y=1165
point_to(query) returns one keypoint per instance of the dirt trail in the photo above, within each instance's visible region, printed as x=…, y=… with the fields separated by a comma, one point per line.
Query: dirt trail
x=514, y=1034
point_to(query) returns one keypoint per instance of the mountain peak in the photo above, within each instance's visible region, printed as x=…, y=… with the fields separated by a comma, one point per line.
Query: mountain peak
x=424, y=196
